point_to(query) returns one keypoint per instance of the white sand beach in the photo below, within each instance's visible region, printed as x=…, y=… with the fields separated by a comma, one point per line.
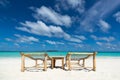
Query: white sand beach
x=106, y=69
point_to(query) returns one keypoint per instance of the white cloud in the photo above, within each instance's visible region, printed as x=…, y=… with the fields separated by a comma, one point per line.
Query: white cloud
x=108, y=39
x=53, y=42
x=16, y=44
x=79, y=45
x=98, y=11
x=94, y=37
x=22, y=39
x=4, y=3
x=81, y=37
x=104, y=26
x=76, y=45
x=74, y=39
x=117, y=16
x=40, y=28
x=8, y=39
x=49, y=15
x=107, y=46
x=99, y=43
x=77, y=5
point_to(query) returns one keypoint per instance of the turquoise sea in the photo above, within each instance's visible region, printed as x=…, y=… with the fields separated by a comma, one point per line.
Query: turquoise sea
x=16, y=54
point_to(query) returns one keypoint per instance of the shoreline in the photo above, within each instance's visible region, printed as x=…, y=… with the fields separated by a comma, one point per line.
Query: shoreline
x=112, y=57
x=17, y=54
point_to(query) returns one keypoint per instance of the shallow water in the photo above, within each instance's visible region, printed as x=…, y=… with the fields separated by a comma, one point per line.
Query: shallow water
x=17, y=54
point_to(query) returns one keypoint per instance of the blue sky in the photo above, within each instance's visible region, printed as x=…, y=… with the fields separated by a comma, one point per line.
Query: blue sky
x=64, y=25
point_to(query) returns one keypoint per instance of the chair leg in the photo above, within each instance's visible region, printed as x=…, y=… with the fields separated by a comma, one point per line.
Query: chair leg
x=83, y=62
x=94, y=62
x=69, y=65
x=66, y=63
x=23, y=63
x=36, y=63
x=62, y=63
x=45, y=65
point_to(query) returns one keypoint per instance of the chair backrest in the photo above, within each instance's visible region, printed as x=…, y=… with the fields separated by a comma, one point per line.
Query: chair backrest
x=35, y=55
x=79, y=55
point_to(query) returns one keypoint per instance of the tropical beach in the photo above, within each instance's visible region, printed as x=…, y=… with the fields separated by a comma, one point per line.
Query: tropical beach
x=59, y=39
x=107, y=67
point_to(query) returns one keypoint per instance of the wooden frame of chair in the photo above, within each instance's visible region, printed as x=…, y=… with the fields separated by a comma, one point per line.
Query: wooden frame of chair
x=68, y=59
x=46, y=57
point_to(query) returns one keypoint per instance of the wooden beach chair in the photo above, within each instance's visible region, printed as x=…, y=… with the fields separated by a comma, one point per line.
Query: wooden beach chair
x=80, y=56
x=42, y=56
